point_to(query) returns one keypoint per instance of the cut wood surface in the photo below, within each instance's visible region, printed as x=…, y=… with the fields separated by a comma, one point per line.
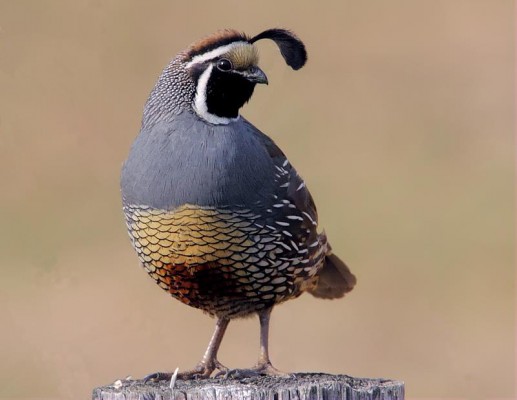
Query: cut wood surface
x=301, y=386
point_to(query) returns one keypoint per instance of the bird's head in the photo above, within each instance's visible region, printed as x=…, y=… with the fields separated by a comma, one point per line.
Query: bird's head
x=216, y=75
x=224, y=68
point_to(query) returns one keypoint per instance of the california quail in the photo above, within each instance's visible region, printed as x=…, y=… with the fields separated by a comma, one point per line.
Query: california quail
x=217, y=214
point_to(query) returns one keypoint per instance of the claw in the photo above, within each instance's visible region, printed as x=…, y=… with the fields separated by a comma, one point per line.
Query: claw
x=158, y=376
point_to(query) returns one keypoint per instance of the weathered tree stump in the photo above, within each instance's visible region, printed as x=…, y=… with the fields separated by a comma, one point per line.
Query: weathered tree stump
x=300, y=386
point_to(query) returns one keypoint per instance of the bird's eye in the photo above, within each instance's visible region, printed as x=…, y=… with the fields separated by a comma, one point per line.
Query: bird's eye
x=224, y=65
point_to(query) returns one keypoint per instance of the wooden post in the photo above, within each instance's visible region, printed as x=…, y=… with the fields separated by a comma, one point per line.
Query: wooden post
x=301, y=386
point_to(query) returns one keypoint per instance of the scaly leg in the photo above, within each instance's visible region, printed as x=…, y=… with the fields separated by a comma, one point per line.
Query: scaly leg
x=264, y=366
x=208, y=363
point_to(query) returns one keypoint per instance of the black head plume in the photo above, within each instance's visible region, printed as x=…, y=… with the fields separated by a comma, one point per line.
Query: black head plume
x=292, y=48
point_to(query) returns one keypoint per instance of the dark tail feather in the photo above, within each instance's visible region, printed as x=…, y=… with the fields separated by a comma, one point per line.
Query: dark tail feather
x=335, y=279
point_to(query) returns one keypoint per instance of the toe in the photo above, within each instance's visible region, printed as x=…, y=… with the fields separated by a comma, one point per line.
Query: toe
x=269, y=370
x=261, y=369
x=158, y=376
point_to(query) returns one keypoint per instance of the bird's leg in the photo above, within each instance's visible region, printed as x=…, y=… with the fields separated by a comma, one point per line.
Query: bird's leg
x=263, y=366
x=208, y=363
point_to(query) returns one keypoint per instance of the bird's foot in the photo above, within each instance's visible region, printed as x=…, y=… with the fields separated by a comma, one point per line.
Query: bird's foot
x=258, y=370
x=202, y=371
x=158, y=376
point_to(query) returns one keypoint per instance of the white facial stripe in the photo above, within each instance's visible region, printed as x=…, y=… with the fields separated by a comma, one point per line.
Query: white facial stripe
x=214, y=53
x=200, y=106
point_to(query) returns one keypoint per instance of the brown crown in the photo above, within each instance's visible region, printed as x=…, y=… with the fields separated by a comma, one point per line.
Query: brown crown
x=217, y=39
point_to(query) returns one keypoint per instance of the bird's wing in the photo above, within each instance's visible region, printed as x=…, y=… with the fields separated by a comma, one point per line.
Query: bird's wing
x=290, y=185
x=293, y=211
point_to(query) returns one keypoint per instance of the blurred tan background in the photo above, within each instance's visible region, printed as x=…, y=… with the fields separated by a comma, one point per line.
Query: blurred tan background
x=401, y=124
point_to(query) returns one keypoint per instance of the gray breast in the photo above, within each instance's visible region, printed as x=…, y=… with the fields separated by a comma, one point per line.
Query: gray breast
x=189, y=161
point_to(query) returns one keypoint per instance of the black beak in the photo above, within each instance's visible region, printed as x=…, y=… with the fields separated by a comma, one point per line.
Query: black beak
x=256, y=75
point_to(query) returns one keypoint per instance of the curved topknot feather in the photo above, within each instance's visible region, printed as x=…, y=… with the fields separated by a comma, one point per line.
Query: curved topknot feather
x=291, y=47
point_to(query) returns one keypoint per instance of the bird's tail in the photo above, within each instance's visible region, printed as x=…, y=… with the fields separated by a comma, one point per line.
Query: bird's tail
x=334, y=279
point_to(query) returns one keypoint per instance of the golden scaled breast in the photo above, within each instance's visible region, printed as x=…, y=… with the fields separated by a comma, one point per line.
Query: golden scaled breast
x=190, y=235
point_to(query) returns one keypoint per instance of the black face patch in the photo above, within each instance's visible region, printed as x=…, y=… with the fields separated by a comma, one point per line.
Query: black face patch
x=226, y=92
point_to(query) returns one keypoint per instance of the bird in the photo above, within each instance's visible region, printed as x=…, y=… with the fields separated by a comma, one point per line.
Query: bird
x=218, y=216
